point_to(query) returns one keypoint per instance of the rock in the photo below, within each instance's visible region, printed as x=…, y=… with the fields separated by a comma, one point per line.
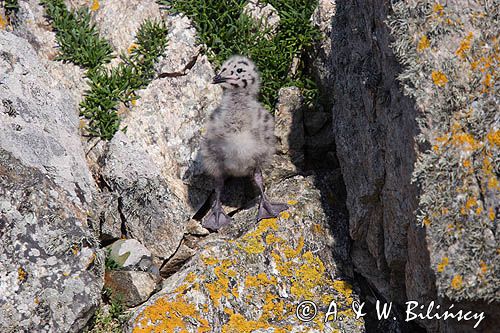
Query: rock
x=128, y=252
x=252, y=276
x=33, y=26
x=320, y=64
x=180, y=256
x=50, y=271
x=119, y=21
x=39, y=122
x=149, y=210
x=168, y=119
x=265, y=15
x=130, y=287
x=289, y=127
x=376, y=128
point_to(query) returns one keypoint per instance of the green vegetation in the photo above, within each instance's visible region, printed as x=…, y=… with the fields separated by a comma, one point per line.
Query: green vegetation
x=77, y=37
x=226, y=31
x=10, y=6
x=80, y=43
x=108, y=87
x=109, y=263
x=111, y=318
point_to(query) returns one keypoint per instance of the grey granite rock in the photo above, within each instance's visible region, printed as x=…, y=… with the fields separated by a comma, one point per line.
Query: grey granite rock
x=50, y=270
x=130, y=287
x=251, y=277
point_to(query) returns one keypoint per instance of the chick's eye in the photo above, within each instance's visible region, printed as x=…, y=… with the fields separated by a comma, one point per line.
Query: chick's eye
x=239, y=70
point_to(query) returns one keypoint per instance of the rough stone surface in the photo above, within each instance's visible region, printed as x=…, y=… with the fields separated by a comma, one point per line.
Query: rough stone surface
x=131, y=287
x=33, y=26
x=119, y=20
x=320, y=64
x=50, y=272
x=149, y=210
x=168, y=118
x=264, y=14
x=289, y=124
x=38, y=119
x=251, y=276
x=375, y=129
x=128, y=252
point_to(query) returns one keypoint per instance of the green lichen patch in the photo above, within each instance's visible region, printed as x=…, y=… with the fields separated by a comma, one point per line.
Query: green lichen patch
x=80, y=43
x=451, y=55
x=225, y=30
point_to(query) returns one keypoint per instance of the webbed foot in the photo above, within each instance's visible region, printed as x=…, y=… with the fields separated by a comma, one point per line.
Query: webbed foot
x=216, y=219
x=269, y=209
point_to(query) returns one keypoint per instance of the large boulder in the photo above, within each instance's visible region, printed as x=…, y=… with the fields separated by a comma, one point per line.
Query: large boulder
x=50, y=271
x=442, y=256
x=252, y=276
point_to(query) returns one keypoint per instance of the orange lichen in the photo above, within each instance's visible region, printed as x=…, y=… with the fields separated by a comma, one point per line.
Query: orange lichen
x=426, y=221
x=466, y=163
x=3, y=22
x=169, y=316
x=239, y=324
x=456, y=282
x=493, y=138
x=285, y=215
x=292, y=202
x=132, y=47
x=464, y=46
x=442, y=265
x=423, y=43
x=308, y=276
x=292, y=253
x=22, y=275
x=345, y=289
x=439, y=78
x=484, y=267
x=491, y=214
x=220, y=287
x=471, y=202
x=438, y=9
x=252, y=242
x=95, y=5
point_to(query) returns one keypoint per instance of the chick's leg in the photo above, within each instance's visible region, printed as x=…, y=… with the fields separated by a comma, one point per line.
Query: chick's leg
x=217, y=218
x=267, y=209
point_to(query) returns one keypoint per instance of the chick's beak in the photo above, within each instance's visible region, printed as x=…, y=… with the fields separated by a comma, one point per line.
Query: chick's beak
x=218, y=79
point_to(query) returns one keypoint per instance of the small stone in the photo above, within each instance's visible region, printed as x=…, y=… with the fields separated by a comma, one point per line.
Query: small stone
x=264, y=14
x=128, y=252
x=131, y=287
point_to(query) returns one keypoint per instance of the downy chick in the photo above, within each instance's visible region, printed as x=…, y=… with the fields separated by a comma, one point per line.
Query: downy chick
x=239, y=138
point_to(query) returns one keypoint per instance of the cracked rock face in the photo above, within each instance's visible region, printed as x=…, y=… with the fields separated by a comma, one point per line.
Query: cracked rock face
x=252, y=275
x=167, y=121
x=50, y=272
x=39, y=121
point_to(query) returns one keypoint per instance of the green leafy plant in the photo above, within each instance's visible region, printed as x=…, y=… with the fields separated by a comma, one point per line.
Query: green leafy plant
x=109, y=263
x=77, y=37
x=111, y=317
x=80, y=43
x=223, y=27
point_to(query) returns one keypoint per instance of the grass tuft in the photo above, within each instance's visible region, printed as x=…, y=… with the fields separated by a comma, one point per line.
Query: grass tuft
x=223, y=27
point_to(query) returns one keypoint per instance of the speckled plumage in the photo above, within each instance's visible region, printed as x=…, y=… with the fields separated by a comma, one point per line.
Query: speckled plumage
x=239, y=137
x=240, y=132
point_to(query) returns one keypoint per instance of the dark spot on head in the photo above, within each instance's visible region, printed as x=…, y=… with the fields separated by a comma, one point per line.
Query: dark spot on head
x=245, y=83
x=239, y=70
x=243, y=62
x=234, y=85
x=253, y=80
x=223, y=70
x=232, y=72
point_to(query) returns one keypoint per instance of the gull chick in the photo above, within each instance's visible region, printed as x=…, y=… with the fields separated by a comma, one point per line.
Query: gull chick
x=239, y=138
